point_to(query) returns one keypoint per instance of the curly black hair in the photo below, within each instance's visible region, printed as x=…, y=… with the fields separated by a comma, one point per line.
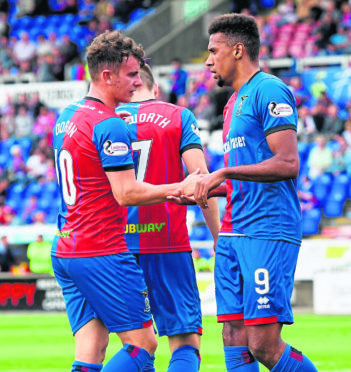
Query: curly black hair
x=238, y=28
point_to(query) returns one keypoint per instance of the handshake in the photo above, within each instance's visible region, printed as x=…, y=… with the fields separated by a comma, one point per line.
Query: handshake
x=197, y=188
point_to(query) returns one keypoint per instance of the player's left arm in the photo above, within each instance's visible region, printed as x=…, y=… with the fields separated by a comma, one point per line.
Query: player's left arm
x=281, y=137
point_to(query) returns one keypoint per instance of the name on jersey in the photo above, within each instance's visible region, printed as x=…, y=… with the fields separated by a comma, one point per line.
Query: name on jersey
x=67, y=127
x=144, y=227
x=150, y=117
x=234, y=143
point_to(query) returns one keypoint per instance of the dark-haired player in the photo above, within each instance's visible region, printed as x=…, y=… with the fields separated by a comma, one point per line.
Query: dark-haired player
x=260, y=237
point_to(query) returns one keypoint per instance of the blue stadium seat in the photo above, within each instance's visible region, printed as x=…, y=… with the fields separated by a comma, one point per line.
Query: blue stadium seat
x=33, y=189
x=16, y=191
x=334, y=205
x=26, y=145
x=50, y=190
x=321, y=187
x=310, y=221
x=200, y=233
x=340, y=185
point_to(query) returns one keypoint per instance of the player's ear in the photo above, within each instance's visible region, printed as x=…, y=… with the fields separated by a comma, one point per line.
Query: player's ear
x=107, y=76
x=238, y=50
x=156, y=90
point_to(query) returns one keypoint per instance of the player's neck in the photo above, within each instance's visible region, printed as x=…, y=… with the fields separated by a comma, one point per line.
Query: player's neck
x=245, y=73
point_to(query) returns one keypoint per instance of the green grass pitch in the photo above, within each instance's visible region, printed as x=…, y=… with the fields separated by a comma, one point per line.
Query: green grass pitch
x=42, y=342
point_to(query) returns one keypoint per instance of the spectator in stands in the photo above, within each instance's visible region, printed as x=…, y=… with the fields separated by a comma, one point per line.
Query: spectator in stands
x=87, y=9
x=8, y=123
x=179, y=79
x=30, y=208
x=36, y=165
x=16, y=167
x=7, y=259
x=24, y=50
x=347, y=132
x=44, y=47
x=39, y=217
x=38, y=253
x=68, y=49
x=66, y=7
x=346, y=13
x=44, y=122
x=320, y=158
x=46, y=70
x=4, y=25
x=339, y=156
x=306, y=128
x=35, y=104
x=205, y=112
x=300, y=93
x=23, y=122
x=6, y=60
x=320, y=110
x=305, y=194
x=333, y=124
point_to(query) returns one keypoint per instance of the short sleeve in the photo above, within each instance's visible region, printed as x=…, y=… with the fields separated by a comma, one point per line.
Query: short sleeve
x=190, y=132
x=112, y=141
x=276, y=106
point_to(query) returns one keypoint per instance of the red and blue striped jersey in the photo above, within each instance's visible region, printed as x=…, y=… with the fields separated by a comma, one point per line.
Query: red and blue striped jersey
x=88, y=140
x=264, y=210
x=160, y=133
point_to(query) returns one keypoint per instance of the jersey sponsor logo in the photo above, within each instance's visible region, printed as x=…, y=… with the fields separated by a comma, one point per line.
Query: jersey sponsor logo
x=144, y=227
x=195, y=129
x=263, y=303
x=64, y=234
x=279, y=109
x=115, y=148
x=239, y=110
x=233, y=143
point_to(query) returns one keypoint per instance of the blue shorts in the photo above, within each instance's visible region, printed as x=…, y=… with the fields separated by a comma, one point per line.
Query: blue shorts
x=110, y=288
x=173, y=293
x=254, y=280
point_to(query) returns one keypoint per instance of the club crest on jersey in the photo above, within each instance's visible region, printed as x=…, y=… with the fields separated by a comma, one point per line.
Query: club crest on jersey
x=115, y=148
x=279, y=109
x=195, y=129
x=147, y=302
x=240, y=107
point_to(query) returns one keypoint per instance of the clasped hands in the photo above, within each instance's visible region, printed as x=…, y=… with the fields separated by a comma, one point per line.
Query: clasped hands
x=193, y=190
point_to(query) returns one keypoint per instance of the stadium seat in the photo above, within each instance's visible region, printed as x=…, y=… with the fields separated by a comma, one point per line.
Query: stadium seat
x=321, y=187
x=200, y=233
x=340, y=185
x=310, y=221
x=26, y=145
x=16, y=191
x=33, y=189
x=334, y=205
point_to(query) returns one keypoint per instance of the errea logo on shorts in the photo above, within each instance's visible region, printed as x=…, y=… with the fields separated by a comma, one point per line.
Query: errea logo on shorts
x=115, y=148
x=280, y=109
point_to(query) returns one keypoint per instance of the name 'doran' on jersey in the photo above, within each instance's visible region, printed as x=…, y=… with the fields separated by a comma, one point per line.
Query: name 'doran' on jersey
x=234, y=143
x=150, y=117
x=65, y=127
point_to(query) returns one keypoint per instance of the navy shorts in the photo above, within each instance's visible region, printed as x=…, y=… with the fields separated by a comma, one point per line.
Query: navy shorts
x=110, y=288
x=254, y=279
x=173, y=293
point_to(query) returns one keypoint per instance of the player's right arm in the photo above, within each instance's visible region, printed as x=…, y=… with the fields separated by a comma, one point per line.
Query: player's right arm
x=128, y=191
